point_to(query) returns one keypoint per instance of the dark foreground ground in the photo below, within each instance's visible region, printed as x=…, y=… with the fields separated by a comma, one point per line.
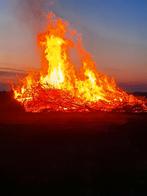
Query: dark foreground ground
x=71, y=154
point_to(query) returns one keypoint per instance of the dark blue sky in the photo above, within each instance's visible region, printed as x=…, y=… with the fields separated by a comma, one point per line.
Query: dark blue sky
x=114, y=31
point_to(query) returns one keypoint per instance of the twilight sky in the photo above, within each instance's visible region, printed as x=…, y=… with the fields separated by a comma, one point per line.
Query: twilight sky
x=114, y=32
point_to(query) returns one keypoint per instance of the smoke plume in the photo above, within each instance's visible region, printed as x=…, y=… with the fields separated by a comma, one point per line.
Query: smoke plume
x=33, y=12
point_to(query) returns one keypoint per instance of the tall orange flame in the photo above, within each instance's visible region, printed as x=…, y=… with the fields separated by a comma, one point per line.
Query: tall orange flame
x=59, y=86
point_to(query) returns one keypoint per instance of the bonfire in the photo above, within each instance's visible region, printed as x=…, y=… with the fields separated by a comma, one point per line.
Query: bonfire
x=62, y=85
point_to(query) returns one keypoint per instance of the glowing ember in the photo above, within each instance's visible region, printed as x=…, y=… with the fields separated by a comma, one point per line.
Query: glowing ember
x=60, y=87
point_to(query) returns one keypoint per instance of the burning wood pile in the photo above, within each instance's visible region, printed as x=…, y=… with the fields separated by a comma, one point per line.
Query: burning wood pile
x=61, y=86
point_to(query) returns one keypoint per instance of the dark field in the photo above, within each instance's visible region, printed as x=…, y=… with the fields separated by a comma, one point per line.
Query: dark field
x=73, y=154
